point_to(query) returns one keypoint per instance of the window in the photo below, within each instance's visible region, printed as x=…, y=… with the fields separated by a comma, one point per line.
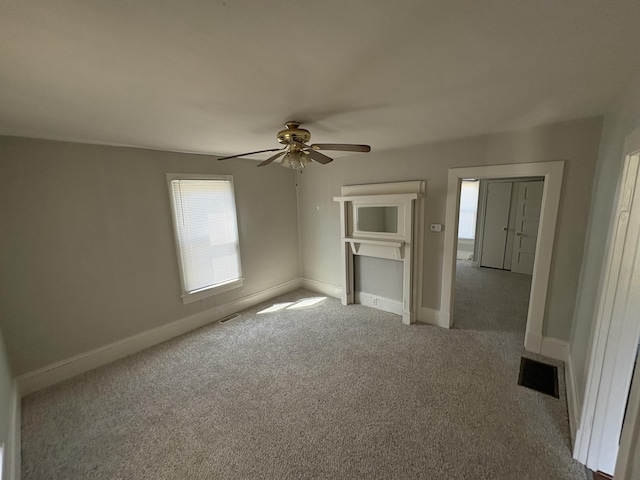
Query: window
x=468, y=209
x=206, y=231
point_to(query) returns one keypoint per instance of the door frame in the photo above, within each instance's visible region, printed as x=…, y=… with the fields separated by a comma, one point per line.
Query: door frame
x=609, y=373
x=552, y=173
x=630, y=438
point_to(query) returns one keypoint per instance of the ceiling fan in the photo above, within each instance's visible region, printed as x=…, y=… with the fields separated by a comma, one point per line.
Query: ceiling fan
x=296, y=153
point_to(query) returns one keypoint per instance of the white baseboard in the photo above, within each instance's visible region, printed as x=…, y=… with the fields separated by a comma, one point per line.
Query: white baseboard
x=70, y=367
x=574, y=406
x=434, y=317
x=547, y=346
x=378, y=302
x=532, y=342
x=322, y=287
x=554, y=348
x=13, y=453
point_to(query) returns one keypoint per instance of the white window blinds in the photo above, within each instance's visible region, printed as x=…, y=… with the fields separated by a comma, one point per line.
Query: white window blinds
x=207, y=232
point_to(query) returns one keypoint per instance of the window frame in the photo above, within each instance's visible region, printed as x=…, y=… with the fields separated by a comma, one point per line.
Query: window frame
x=189, y=297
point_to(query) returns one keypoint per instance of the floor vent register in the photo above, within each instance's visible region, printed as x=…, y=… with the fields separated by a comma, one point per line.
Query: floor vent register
x=539, y=376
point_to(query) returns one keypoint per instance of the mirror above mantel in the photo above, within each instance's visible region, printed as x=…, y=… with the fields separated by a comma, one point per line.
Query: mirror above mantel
x=376, y=218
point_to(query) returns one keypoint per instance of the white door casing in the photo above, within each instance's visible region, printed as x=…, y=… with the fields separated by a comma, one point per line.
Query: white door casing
x=528, y=209
x=496, y=220
x=628, y=461
x=617, y=329
x=552, y=173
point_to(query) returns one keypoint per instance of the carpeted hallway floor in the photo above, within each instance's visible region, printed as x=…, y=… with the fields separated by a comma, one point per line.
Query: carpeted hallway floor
x=322, y=391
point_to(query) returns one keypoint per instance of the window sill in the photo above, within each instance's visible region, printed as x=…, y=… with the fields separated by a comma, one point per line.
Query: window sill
x=210, y=291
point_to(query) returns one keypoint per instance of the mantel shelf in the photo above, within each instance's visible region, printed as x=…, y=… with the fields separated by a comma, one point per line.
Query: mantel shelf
x=368, y=241
x=390, y=249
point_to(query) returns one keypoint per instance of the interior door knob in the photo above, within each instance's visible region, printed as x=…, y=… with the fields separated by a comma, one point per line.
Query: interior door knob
x=519, y=234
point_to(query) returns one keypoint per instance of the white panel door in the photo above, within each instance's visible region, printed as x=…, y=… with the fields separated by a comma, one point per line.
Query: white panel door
x=526, y=226
x=496, y=220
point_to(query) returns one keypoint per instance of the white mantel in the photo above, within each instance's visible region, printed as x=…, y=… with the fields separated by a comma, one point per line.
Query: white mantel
x=404, y=244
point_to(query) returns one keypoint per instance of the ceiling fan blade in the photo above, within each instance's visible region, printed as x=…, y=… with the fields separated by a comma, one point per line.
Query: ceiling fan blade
x=314, y=154
x=318, y=157
x=271, y=159
x=250, y=153
x=346, y=147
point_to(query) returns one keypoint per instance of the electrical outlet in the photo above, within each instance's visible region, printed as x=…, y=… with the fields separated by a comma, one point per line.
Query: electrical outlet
x=220, y=312
x=374, y=301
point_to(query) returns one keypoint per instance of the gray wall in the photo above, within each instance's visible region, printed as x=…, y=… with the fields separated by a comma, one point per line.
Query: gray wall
x=576, y=142
x=87, y=249
x=6, y=397
x=378, y=276
x=622, y=117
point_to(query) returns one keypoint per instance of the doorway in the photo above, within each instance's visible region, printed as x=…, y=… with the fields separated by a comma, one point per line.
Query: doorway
x=552, y=173
x=493, y=283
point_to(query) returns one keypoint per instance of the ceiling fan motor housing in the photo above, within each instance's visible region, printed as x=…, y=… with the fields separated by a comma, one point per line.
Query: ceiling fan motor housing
x=293, y=134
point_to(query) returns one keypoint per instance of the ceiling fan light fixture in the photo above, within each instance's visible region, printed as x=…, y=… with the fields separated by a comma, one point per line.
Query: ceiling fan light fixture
x=297, y=153
x=295, y=160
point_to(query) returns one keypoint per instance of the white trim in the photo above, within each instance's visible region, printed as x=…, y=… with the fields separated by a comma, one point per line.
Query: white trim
x=378, y=302
x=533, y=342
x=552, y=173
x=377, y=248
x=611, y=350
x=321, y=287
x=573, y=399
x=408, y=197
x=628, y=457
x=434, y=317
x=387, y=188
x=554, y=348
x=70, y=367
x=212, y=290
x=13, y=447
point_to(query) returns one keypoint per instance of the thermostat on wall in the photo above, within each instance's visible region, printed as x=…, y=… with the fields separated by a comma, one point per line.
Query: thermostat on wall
x=436, y=227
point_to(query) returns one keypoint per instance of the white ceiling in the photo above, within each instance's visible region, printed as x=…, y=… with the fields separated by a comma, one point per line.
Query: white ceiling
x=223, y=76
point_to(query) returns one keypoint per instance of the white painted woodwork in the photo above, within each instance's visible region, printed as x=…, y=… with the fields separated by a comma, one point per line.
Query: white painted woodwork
x=405, y=245
x=628, y=461
x=528, y=208
x=388, y=249
x=552, y=173
x=70, y=367
x=496, y=221
x=379, y=303
x=617, y=330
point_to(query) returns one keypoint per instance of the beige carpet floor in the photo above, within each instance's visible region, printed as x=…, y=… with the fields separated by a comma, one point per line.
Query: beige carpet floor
x=321, y=391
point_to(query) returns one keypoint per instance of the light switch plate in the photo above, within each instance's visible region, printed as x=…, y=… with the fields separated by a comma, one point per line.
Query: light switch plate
x=436, y=227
